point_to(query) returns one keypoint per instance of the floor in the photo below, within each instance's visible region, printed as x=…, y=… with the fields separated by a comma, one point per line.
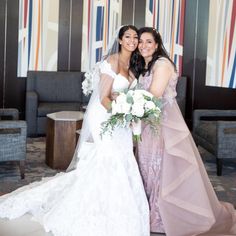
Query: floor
x=224, y=186
x=24, y=226
x=36, y=169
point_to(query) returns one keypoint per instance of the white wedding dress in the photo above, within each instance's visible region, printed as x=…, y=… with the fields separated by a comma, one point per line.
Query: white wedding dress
x=103, y=196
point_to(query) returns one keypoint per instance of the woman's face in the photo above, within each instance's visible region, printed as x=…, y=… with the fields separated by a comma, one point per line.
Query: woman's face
x=129, y=40
x=147, y=46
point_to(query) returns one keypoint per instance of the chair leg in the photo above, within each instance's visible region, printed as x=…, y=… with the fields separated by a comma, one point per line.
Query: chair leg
x=219, y=166
x=22, y=169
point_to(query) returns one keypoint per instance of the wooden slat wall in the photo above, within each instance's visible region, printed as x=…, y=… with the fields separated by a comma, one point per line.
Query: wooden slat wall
x=69, y=51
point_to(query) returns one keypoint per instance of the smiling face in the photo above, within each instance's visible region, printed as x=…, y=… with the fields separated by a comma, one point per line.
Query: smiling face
x=129, y=40
x=147, y=46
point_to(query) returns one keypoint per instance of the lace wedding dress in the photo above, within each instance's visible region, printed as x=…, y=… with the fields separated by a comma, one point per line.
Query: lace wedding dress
x=102, y=196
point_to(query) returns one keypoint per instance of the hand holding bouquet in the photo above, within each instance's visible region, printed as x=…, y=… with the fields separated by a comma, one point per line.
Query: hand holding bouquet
x=129, y=108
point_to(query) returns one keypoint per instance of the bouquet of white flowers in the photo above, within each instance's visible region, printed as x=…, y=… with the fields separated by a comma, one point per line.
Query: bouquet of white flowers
x=129, y=108
x=90, y=80
x=87, y=84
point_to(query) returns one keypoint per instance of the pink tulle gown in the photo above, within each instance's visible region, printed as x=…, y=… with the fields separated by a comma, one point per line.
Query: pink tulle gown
x=181, y=198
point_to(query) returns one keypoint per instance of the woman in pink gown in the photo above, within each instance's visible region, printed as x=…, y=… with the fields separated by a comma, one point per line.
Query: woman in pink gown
x=181, y=198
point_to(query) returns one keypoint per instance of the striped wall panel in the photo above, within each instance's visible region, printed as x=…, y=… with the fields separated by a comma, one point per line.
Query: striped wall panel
x=221, y=52
x=101, y=18
x=38, y=35
x=167, y=16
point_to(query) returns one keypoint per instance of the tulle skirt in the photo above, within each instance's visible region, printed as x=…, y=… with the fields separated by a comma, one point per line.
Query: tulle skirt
x=103, y=196
x=181, y=198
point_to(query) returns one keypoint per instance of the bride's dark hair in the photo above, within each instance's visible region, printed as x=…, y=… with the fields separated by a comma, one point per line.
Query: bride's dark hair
x=116, y=47
x=139, y=66
x=120, y=34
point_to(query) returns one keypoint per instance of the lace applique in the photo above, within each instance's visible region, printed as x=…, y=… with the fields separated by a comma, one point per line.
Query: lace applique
x=105, y=68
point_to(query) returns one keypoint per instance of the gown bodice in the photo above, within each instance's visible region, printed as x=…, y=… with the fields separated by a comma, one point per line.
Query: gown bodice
x=120, y=82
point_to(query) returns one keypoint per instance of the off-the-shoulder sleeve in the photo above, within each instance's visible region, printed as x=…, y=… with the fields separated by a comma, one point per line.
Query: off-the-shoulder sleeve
x=105, y=68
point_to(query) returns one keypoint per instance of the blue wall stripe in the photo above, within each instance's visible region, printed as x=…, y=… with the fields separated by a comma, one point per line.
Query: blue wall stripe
x=151, y=6
x=232, y=77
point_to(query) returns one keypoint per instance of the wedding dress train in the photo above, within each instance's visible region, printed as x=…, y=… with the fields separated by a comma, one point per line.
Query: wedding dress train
x=102, y=196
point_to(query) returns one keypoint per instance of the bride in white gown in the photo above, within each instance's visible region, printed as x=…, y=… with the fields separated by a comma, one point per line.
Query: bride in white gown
x=103, y=195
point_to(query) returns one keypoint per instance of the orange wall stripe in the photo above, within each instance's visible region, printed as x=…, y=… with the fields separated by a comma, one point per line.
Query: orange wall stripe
x=224, y=58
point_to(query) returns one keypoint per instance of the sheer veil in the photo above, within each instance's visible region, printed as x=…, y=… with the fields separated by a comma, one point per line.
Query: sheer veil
x=86, y=135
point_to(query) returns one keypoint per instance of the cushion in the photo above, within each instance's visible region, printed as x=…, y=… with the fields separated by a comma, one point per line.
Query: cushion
x=46, y=108
x=56, y=86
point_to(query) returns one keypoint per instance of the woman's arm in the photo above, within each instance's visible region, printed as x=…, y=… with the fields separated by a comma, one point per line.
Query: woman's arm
x=105, y=88
x=161, y=77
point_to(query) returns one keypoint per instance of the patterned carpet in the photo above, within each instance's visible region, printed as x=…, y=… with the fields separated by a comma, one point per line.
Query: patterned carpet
x=225, y=185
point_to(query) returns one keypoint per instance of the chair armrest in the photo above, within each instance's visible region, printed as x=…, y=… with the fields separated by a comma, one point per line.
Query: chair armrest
x=31, y=111
x=198, y=113
x=13, y=124
x=226, y=138
x=31, y=99
x=12, y=112
x=226, y=128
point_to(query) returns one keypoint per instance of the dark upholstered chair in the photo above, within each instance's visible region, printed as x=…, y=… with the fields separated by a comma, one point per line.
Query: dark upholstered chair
x=49, y=92
x=181, y=90
x=12, y=138
x=215, y=131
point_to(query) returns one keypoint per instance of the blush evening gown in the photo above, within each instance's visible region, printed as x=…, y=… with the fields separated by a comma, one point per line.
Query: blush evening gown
x=181, y=198
x=102, y=196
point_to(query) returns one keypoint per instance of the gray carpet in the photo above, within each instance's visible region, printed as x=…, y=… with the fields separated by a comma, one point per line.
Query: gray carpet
x=225, y=185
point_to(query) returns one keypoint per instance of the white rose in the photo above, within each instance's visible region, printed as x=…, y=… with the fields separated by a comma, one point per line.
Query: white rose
x=121, y=107
x=87, y=84
x=138, y=95
x=121, y=98
x=139, y=101
x=114, y=108
x=137, y=110
x=125, y=107
x=149, y=105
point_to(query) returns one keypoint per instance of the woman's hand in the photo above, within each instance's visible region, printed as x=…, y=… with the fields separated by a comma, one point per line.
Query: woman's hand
x=114, y=95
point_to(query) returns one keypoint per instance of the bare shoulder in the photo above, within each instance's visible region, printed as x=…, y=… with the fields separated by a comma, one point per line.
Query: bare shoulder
x=163, y=70
x=113, y=58
x=113, y=61
x=163, y=63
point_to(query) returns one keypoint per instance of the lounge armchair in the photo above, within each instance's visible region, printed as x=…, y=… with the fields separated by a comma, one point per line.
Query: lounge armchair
x=12, y=138
x=215, y=131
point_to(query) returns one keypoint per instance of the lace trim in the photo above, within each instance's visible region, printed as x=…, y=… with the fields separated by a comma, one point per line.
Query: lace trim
x=105, y=68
